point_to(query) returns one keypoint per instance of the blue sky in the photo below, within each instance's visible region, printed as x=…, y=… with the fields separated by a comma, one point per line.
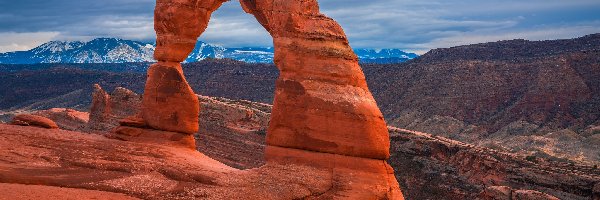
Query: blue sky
x=416, y=26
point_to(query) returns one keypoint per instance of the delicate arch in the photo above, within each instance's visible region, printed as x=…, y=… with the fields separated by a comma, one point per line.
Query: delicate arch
x=323, y=115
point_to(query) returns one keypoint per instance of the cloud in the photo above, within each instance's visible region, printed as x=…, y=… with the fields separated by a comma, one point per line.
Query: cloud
x=24, y=41
x=535, y=33
x=405, y=24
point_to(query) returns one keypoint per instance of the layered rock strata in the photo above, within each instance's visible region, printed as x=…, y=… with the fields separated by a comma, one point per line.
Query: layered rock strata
x=322, y=102
x=449, y=169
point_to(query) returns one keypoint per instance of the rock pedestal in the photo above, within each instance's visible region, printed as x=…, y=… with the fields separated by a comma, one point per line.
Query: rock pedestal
x=169, y=103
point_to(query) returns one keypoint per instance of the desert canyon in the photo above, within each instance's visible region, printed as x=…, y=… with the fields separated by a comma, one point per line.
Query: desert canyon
x=474, y=123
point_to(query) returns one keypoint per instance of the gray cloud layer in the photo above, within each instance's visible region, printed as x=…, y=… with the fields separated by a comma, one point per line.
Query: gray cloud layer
x=412, y=25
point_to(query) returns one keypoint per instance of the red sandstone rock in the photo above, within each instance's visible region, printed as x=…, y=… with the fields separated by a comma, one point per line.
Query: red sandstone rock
x=108, y=109
x=369, y=178
x=169, y=103
x=156, y=171
x=39, y=192
x=322, y=102
x=154, y=136
x=324, y=115
x=100, y=112
x=178, y=24
x=34, y=120
x=66, y=119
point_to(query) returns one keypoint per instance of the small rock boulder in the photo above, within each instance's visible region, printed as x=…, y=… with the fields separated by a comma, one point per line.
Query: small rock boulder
x=34, y=120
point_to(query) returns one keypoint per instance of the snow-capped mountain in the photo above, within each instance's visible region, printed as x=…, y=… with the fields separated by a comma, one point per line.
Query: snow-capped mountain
x=101, y=50
x=383, y=55
x=111, y=50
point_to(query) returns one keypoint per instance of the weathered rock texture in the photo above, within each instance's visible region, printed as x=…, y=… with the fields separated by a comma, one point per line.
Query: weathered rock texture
x=169, y=103
x=18, y=191
x=33, y=120
x=108, y=109
x=322, y=102
x=157, y=171
x=449, y=169
x=233, y=132
x=323, y=116
x=67, y=119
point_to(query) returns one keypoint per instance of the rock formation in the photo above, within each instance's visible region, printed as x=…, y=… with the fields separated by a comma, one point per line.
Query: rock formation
x=65, y=118
x=33, y=120
x=69, y=159
x=108, y=109
x=322, y=102
x=324, y=115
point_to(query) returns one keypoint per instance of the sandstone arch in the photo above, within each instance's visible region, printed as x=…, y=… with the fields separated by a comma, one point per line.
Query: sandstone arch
x=323, y=114
x=322, y=102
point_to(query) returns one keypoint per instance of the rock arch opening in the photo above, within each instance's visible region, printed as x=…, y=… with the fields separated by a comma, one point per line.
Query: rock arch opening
x=323, y=112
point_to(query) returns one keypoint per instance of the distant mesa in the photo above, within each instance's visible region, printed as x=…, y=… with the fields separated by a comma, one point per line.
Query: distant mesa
x=113, y=50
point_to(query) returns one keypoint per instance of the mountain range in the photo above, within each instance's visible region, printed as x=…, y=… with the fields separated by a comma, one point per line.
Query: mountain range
x=113, y=50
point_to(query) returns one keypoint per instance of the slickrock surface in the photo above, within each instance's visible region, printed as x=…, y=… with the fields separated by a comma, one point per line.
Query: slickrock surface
x=149, y=171
x=66, y=119
x=428, y=167
x=233, y=132
x=33, y=120
x=18, y=191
